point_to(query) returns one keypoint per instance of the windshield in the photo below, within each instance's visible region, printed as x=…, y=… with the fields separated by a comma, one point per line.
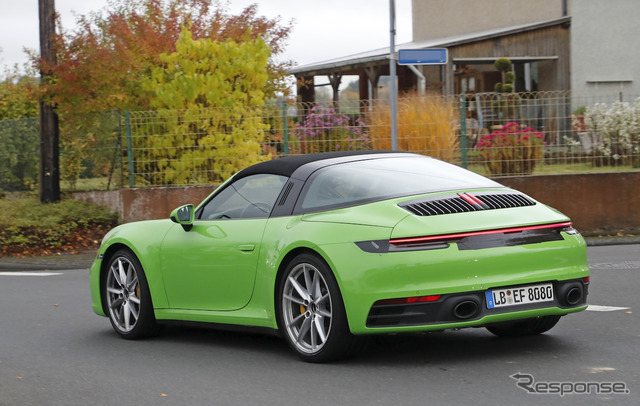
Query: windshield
x=377, y=179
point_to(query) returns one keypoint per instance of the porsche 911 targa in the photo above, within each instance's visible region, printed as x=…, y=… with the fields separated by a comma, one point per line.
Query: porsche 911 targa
x=326, y=248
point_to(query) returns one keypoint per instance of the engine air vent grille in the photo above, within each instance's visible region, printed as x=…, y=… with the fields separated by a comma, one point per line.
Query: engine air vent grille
x=466, y=202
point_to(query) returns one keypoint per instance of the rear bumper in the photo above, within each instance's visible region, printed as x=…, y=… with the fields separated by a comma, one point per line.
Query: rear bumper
x=471, y=306
x=457, y=275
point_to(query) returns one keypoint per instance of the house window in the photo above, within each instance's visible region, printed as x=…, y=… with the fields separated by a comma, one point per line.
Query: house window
x=526, y=77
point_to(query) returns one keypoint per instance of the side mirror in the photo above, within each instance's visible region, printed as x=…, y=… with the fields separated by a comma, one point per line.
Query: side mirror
x=184, y=215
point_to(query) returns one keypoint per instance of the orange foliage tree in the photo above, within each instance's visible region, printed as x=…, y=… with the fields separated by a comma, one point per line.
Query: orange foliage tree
x=100, y=65
x=103, y=64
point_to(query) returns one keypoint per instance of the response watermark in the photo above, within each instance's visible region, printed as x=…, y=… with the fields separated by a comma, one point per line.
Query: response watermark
x=528, y=383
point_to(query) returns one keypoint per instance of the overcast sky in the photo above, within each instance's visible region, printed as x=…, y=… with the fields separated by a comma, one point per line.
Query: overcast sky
x=322, y=29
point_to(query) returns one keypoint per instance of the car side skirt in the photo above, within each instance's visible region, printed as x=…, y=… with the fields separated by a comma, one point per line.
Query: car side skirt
x=247, y=316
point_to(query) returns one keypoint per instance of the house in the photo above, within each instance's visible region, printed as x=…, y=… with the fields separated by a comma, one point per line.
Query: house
x=585, y=46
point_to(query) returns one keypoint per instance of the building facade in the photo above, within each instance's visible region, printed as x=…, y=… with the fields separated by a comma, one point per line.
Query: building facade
x=433, y=19
x=586, y=46
x=604, y=54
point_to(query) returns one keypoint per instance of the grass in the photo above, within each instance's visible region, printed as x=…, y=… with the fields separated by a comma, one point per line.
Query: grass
x=28, y=227
x=84, y=184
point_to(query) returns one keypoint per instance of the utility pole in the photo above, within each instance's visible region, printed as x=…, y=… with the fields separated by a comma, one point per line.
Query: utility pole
x=49, y=130
x=392, y=75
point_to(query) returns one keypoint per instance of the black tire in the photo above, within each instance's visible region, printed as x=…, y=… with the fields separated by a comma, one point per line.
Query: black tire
x=526, y=327
x=310, y=311
x=126, y=297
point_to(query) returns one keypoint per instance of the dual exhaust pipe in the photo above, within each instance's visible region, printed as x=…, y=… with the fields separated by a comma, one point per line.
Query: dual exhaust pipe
x=570, y=295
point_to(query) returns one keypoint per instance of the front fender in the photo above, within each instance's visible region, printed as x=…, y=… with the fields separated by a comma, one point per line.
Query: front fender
x=144, y=240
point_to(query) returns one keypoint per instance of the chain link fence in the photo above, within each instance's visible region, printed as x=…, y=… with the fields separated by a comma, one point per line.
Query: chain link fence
x=489, y=133
x=90, y=153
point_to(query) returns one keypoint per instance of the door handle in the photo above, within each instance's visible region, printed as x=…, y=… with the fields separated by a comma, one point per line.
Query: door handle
x=246, y=247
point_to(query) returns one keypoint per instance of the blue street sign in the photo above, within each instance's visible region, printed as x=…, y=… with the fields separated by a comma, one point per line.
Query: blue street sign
x=433, y=56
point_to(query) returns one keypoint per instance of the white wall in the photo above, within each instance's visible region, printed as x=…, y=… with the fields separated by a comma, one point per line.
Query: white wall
x=434, y=19
x=604, y=47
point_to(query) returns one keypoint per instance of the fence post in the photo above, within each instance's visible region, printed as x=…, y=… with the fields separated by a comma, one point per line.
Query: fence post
x=285, y=128
x=127, y=125
x=119, y=148
x=463, y=130
x=117, y=151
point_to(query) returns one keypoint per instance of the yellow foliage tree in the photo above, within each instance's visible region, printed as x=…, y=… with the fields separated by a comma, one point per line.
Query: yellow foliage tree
x=426, y=125
x=209, y=96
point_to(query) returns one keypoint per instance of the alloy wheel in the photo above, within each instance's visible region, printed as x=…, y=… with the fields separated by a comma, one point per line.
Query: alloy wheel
x=123, y=294
x=307, y=308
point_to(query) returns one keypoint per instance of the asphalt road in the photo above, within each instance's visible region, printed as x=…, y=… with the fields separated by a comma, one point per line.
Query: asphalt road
x=55, y=351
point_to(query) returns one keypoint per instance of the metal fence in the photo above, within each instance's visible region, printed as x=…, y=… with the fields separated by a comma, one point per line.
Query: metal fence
x=489, y=133
x=90, y=153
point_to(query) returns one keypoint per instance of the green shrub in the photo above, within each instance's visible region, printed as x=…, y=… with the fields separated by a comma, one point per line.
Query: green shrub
x=27, y=225
x=502, y=64
x=509, y=77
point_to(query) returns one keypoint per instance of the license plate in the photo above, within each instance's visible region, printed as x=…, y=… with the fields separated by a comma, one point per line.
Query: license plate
x=520, y=295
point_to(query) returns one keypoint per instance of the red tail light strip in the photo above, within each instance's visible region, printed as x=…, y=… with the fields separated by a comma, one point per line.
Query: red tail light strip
x=443, y=237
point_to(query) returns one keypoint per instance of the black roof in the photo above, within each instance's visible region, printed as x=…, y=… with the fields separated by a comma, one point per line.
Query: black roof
x=288, y=165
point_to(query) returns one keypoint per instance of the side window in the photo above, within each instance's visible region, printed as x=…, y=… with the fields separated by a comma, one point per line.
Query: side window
x=339, y=186
x=248, y=198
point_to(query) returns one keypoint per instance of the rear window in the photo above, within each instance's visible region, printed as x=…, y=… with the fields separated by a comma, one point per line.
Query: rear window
x=377, y=179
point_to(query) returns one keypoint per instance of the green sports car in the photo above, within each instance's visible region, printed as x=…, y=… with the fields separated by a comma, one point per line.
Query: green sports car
x=326, y=248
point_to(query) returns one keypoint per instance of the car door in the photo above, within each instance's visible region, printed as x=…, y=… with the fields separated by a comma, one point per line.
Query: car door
x=213, y=265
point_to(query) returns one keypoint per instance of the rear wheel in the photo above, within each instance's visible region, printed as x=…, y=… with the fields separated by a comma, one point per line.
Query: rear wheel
x=526, y=327
x=311, y=313
x=127, y=297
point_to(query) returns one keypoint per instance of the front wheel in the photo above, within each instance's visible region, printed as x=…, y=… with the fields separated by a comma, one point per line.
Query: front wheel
x=526, y=327
x=310, y=311
x=127, y=298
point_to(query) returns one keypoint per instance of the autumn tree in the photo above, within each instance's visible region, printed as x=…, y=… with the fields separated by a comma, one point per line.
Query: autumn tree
x=208, y=94
x=18, y=95
x=103, y=64
x=18, y=131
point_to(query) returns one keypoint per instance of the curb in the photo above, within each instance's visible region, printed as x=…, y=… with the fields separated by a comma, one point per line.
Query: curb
x=12, y=266
x=606, y=241
x=47, y=263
